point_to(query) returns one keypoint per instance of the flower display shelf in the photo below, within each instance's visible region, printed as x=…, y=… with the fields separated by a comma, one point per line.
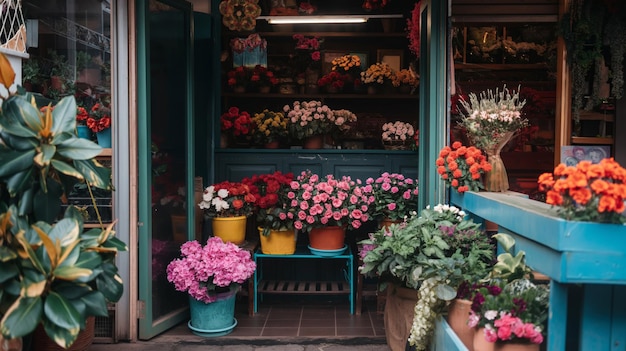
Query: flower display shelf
x=263, y=286
x=575, y=256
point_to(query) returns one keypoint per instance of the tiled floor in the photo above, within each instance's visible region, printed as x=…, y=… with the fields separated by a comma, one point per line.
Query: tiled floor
x=305, y=317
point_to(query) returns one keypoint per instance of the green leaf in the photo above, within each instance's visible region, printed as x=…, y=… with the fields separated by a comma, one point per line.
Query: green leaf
x=20, y=118
x=17, y=142
x=94, y=173
x=20, y=181
x=505, y=240
x=61, y=336
x=60, y=311
x=8, y=270
x=70, y=273
x=66, y=231
x=64, y=116
x=445, y=292
x=47, y=204
x=96, y=304
x=13, y=161
x=109, y=283
x=79, y=149
x=66, y=169
x=22, y=317
x=48, y=152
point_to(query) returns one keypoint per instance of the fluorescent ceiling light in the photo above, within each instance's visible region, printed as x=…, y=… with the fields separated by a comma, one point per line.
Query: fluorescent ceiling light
x=314, y=19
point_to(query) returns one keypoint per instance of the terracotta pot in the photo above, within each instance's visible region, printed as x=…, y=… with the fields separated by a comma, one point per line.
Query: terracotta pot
x=398, y=317
x=386, y=222
x=273, y=145
x=327, y=238
x=480, y=343
x=41, y=340
x=457, y=319
x=10, y=344
x=313, y=142
x=264, y=90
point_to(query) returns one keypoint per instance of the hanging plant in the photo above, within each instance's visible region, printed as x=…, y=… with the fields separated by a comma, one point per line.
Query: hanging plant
x=240, y=15
x=413, y=30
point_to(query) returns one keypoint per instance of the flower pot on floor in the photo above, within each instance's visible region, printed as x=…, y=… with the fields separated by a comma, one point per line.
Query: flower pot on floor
x=398, y=317
x=215, y=318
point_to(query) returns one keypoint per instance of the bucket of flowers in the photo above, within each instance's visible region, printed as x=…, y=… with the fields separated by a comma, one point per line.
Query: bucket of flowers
x=398, y=135
x=238, y=79
x=99, y=121
x=211, y=275
x=270, y=128
x=395, y=197
x=335, y=81
x=462, y=167
x=274, y=216
x=378, y=78
x=237, y=127
x=328, y=205
x=309, y=120
x=262, y=79
x=406, y=81
x=228, y=204
x=343, y=122
x=349, y=65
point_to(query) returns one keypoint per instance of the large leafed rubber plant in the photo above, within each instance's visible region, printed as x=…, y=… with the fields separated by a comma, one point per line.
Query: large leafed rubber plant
x=52, y=272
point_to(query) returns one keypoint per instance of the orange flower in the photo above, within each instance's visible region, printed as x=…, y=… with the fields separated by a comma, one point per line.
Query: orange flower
x=589, y=192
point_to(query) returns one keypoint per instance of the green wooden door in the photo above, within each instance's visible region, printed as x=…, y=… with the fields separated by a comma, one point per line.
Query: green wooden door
x=165, y=156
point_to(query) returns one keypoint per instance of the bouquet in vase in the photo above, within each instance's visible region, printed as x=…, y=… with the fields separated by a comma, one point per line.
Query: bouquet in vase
x=491, y=120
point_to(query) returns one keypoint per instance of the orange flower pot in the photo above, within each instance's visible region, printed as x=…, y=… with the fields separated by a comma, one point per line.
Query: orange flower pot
x=327, y=238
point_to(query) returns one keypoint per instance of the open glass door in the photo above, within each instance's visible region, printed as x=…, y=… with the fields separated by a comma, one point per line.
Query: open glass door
x=165, y=156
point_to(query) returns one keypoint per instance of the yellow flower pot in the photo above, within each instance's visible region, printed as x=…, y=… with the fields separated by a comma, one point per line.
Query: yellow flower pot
x=230, y=229
x=279, y=242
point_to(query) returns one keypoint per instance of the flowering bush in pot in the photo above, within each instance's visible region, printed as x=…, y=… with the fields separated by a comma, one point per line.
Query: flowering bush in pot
x=99, y=117
x=204, y=271
x=461, y=167
x=308, y=118
x=261, y=77
x=272, y=204
x=335, y=81
x=328, y=201
x=269, y=126
x=395, y=196
x=236, y=125
x=238, y=79
x=587, y=192
x=397, y=135
x=227, y=199
x=378, y=74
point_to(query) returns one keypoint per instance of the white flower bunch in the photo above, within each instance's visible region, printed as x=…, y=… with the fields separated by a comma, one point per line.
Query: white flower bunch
x=209, y=200
x=442, y=208
x=397, y=131
x=424, y=315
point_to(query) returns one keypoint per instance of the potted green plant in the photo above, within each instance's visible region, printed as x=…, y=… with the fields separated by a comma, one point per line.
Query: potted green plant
x=30, y=74
x=55, y=275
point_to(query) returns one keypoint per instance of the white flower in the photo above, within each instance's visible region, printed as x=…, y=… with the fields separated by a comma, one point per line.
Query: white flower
x=491, y=315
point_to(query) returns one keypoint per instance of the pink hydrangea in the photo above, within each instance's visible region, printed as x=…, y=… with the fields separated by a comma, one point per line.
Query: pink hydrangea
x=202, y=269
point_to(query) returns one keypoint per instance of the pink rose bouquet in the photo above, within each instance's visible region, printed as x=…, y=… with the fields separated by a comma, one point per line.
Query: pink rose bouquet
x=204, y=270
x=328, y=201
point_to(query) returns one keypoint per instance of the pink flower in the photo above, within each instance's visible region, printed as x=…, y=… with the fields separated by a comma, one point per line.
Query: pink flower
x=391, y=206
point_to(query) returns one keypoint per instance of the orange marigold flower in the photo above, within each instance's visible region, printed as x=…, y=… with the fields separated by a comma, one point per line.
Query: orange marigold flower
x=580, y=195
x=445, y=151
x=554, y=198
x=595, y=171
x=607, y=204
x=470, y=161
x=454, y=183
x=456, y=144
x=441, y=169
x=558, y=171
x=457, y=173
x=463, y=188
x=546, y=179
x=461, y=151
x=577, y=180
x=599, y=186
x=440, y=161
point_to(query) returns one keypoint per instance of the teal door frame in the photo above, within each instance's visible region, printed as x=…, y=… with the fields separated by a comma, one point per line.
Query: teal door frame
x=434, y=98
x=148, y=326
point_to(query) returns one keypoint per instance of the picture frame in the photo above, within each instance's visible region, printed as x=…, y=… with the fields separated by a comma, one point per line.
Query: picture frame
x=327, y=58
x=391, y=57
x=364, y=59
x=572, y=154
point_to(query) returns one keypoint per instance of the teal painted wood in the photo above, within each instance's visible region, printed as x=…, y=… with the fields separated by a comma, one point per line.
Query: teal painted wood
x=445, y=339
x=573, y=255
x=234, y=165
x=567, y=251
x=304, y=253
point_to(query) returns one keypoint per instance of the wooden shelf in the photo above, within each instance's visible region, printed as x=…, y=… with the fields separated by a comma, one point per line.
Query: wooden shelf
x=500, y=66
x=592, y=140
x=596, y=116
x=321, y=96
x=304, y=287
